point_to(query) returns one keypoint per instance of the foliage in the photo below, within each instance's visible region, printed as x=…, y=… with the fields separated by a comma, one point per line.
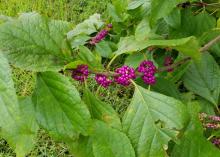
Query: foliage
x=163, y=116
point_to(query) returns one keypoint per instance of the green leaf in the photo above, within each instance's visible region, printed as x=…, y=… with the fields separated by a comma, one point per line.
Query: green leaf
x=103, y=48
x=152, y=120
x=135, y=59
x=89, y=26
x=101, y=111
x=143, y=30
x=82, y=147
x=207, y=37
x=93, y=60
x=193, y=25
x=193, y=143
x=161, y=8
x=110, y=142
x=79, y=40
x=174, y=19
x=188, y=46
x=24, y=138
x=166, y=87
x=17, y=122
x=203, y=79
x=59, y=108
x=35, y=43
x=113, y=13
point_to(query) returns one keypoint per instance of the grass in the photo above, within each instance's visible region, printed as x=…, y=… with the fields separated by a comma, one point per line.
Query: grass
x=69, y=10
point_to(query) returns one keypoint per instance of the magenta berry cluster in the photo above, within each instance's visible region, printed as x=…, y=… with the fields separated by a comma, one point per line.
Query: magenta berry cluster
x=122, y=75
x=80, y=73
x=167, y=62
x=125, y=73
x=103, y=80
x=101, y=35
x=148, y=69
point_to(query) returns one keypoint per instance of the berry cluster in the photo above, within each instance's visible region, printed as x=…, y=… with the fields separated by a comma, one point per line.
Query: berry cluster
x=210, y=121
x=122, y=75
x=80, y=73
x=167, y=62
x=216, y=141
x=148, y=69
x=101, y=35
x=125, y=73
x=103, y=80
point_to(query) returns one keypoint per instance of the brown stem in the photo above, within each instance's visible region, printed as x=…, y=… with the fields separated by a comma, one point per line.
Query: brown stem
x=210, y=44
x=166, y=68
x=184, y=60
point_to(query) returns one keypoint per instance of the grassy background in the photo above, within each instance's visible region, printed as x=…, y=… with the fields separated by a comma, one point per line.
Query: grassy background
x=69, y=10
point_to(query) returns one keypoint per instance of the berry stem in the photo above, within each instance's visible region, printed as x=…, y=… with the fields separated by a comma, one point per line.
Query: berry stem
x=184, y=60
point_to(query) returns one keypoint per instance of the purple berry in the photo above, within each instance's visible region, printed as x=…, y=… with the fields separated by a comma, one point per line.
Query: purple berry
x=99, y=37
x=212, y=126
x=110, y=25
x=80, y=73
x=125, y=73
x=167, y=62
x=148, y=69
x=216, y=141
x=103, y=80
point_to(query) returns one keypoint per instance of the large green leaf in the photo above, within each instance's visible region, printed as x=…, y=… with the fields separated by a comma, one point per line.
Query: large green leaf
x=162, y=8
x=101, y=111
x=152, y=120
x=204, y=78
x=35, y=43
x=17, y=122
x=188, y=46
x=191, y=24
x=58, y=105
x=193, y=143
x=110, y=142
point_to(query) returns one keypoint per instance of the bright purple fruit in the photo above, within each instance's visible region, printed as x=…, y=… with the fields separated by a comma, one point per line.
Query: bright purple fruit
x=101, y=35
x=80, y=73
x=103, y=80
x=125, y=73
x=148, y=69
x=167, y=62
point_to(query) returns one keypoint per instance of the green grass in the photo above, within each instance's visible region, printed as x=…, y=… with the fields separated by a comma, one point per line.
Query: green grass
x=70, y=10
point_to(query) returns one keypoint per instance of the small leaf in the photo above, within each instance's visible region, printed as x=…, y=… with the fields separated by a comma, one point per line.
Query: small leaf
x=101, y=111
x=203, y=79
x=110, y=142
x=87, y=27
x=152, y=120
x=135, y=59
x=59, y=108
x=103, y=48
x=89, y=58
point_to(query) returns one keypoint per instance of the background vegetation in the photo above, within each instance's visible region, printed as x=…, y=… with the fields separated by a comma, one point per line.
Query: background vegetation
x=74, y=11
